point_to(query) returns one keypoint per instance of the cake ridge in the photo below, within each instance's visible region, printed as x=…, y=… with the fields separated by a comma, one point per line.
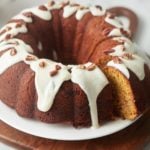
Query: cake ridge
x=50, y=76
x=53, y=86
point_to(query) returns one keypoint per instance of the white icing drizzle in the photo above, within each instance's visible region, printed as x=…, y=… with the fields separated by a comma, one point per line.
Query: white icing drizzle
x=47, y=86
x=92, y=83
x=5, y=47
x=119, y=66
x=53, y=7
x=80, y=13
x=113, y=21
x=136, y=65
x=23, y=17
x=69, y=10
x=40, y=46
x=118, y=50
x=115, y=32
x=127, y=46
x=97, y=11
x=22, y=50
x=45, y=15
x=13, y=31
x=15, y=43
x=6, y=57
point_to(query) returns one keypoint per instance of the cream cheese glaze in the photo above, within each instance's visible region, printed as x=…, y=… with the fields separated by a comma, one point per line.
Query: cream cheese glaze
x=46, y=85
x=69, y=10
x=22, y=50
x=113, y=21
x=115, y=32
x=13, y=30
x=135, y=63
x=45, y=15
x=119, y=66
x=23, y=17
x=96, y=11
x=81, y=12
x=92, y=88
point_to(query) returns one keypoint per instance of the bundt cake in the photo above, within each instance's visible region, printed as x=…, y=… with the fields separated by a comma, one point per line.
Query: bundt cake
x=67, y=63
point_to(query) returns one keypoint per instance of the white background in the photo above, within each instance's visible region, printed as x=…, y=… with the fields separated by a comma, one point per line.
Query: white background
x=9, y=8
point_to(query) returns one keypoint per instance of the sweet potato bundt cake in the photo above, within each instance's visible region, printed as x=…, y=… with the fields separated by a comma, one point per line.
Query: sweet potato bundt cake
x=67, y=63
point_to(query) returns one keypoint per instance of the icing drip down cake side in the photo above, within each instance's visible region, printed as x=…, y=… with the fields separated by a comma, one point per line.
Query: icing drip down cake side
x=67, y=63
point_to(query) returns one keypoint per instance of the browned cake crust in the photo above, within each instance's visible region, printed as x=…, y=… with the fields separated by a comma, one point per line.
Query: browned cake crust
x=75, y=42
x=70, y=104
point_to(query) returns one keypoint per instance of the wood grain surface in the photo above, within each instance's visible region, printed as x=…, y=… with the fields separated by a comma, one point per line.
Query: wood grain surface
x=134, y=137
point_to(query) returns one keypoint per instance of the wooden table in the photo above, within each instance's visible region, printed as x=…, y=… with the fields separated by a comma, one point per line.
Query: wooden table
x=134, y=137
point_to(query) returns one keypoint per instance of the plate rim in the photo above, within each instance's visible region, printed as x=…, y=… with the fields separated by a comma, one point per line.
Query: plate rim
x=56, y=136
